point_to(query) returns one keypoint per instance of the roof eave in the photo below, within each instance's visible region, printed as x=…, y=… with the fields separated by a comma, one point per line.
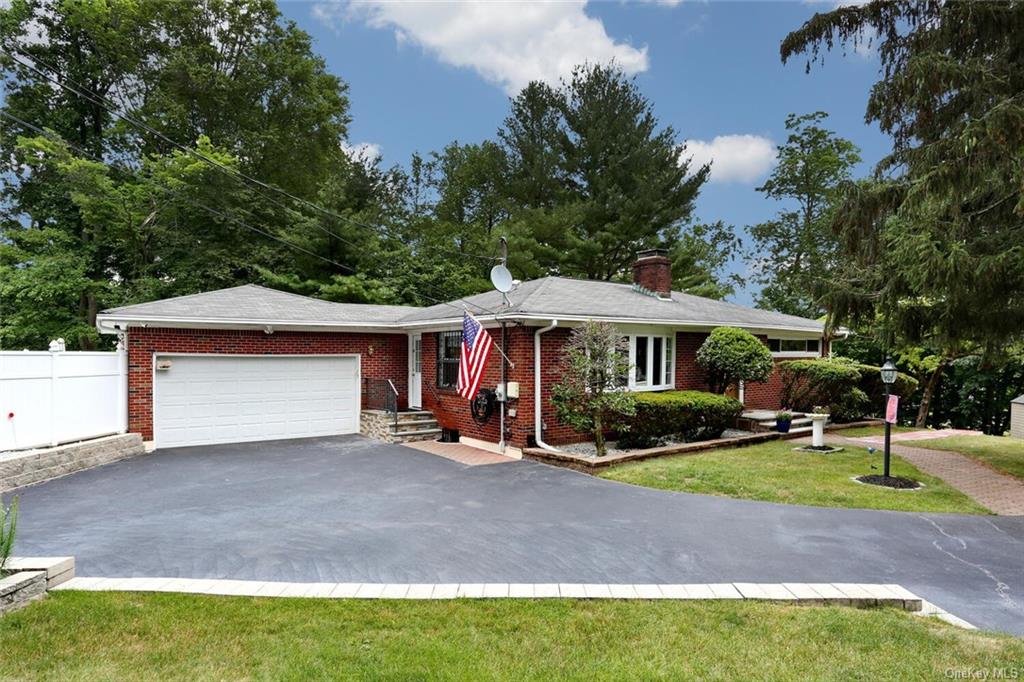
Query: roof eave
x=112, y=324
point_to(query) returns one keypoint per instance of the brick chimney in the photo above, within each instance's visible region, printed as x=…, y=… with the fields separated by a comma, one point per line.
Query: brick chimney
x=653, y=271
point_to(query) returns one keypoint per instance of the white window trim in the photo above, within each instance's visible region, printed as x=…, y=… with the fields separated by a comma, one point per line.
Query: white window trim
x=795, y=353
x=669, y=381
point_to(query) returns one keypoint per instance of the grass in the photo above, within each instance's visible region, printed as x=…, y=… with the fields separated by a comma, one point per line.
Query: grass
x=773, y=472
x=88, y=636
x=1000, y=452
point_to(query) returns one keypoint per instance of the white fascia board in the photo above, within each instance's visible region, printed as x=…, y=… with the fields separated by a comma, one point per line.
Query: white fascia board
x=111, y=324
x=695, y=325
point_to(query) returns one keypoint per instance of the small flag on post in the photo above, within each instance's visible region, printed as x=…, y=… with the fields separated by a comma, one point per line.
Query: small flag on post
x=892, y=405
x=476, y=347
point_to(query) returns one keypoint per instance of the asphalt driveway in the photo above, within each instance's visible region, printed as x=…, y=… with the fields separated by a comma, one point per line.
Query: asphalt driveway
x=353, y=510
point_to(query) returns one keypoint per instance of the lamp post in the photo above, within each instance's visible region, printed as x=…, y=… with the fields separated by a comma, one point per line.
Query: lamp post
x=888, y=372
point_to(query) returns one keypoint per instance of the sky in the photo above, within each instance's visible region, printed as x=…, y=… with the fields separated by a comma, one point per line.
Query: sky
x=424, y=74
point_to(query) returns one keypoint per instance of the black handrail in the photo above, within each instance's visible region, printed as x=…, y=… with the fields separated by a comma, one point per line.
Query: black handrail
x=381, y=394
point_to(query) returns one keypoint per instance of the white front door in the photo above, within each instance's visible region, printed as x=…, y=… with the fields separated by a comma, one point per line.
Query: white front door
x=205, y=399
x=416, y=370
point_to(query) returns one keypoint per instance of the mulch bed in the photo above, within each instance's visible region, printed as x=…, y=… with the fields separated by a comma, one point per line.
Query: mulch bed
x=897, y=482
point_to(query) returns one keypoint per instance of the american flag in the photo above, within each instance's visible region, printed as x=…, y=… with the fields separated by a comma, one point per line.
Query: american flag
x=476, y=346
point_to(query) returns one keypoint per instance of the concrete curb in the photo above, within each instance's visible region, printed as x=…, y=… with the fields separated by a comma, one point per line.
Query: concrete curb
x=813, y=594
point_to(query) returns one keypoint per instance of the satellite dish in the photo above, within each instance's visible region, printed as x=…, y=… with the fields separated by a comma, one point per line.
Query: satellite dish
x=501, y=278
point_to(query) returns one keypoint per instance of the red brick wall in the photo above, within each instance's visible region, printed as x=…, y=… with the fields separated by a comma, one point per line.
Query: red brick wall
x=383, y=356
x=452, y=411
x=689, y=377
x=764, y=395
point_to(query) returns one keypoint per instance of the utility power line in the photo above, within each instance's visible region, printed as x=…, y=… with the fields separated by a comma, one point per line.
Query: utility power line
x=211, y=210
x=110, y=107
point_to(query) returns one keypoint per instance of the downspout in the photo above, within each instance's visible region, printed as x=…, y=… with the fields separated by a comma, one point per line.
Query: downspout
x=537, y=430
x=504, y=383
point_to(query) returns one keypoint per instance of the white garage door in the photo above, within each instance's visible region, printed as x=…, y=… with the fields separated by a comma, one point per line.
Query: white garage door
x=230, y=399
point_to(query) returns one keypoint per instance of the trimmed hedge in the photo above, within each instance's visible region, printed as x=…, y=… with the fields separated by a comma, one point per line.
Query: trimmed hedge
x=690, y=415
x=851, y=390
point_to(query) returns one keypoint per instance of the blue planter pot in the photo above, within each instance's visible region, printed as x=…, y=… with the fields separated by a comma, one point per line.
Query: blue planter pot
x=782, y=425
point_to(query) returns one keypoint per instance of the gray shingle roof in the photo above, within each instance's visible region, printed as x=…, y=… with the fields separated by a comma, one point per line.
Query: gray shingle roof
x=260, y=304
x=560, y=296
x=548, y=297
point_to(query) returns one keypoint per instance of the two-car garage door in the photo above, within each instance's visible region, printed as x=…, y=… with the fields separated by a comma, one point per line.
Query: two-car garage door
x=199, y=400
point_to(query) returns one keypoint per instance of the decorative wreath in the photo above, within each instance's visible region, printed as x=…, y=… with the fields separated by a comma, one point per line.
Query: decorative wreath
x=482, y=406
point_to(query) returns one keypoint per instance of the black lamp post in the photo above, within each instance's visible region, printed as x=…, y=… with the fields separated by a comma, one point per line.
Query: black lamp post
x=888, y=378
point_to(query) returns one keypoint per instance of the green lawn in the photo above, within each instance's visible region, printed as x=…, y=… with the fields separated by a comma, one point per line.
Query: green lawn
x=1000, y=452
x=774, y=472
x=114, y=636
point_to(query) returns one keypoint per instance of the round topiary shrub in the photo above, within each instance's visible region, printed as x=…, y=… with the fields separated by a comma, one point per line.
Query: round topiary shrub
x=730, y=355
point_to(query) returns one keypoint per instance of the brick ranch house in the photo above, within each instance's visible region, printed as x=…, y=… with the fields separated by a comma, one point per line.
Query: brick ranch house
x=251, y=364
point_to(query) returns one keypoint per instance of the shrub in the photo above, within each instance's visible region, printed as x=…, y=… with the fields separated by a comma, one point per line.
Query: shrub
x=8, y=526
x=588, y=398
x=806, y=383
x=689, y=415
x=871, y=384
x=850, y=389
x=730, y=355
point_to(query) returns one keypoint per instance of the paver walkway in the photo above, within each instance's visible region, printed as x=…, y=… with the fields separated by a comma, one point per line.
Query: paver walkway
x=458, y=452
x=923, y=434
x=1000, y=493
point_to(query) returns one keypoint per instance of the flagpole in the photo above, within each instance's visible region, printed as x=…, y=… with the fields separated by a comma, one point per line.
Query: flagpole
x=496, y=347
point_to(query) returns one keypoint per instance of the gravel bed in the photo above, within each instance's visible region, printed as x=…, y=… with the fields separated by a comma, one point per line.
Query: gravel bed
x=587, y=448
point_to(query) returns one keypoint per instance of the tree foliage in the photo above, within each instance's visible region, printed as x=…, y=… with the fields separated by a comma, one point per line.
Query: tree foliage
x=589, y=397
x=99, y=210
x=730, y=355
x=934, y=245
x=795, y=253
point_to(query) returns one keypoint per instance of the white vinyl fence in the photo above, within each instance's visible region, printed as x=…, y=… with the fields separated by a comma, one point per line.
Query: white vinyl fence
x=51, y=398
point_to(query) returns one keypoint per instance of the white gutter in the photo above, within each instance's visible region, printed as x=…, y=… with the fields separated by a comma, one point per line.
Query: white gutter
x=537, y=430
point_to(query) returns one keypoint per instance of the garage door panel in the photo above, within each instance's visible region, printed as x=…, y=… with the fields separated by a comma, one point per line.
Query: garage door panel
x=222, y=399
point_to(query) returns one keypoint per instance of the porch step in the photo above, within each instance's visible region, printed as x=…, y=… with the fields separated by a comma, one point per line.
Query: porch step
x=415, y=425
x=410, y=415
x=803, y=421
x=410, y=436
x=423, y=421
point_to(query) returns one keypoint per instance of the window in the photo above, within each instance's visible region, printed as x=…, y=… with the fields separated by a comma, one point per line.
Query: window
x=653, y=364
x=640, y=368
x=448, y=347
x=794, y=345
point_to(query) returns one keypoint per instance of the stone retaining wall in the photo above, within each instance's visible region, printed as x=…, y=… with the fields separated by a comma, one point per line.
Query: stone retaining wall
x=18, y=589
x=376, y=424
x=18, y=469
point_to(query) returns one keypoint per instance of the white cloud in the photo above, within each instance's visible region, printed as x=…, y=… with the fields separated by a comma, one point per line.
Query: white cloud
x=507, y=43
x=366, y=152
x=733, y=158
